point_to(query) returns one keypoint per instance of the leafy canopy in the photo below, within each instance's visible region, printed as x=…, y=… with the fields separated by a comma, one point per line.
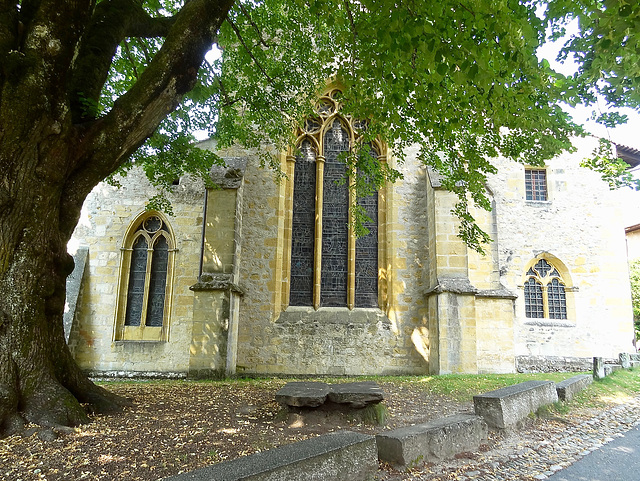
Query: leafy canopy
x=461, y=80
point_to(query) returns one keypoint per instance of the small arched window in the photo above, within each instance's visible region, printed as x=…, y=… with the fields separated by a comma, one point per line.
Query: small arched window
x=544, y=292
x=145, y=280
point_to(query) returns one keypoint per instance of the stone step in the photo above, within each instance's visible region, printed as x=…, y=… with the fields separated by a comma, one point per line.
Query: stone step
x=509, y=406
x=431, y=442
x=568, y=388
x=339, y=456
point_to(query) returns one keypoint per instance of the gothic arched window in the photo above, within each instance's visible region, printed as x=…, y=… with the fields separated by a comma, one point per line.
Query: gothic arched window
x=329, y=266
x=544, y=292
x=145, y=280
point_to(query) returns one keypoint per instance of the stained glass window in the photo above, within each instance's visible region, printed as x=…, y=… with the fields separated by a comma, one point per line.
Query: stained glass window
x=158, y=282
x=335, y=219
x=146, y=273
x=328, y=136
x=137, y=276
x=367, y=253
x=533, y=299
x=544, y=292
x=557, y=300
x=303, y=227
x=535, y=182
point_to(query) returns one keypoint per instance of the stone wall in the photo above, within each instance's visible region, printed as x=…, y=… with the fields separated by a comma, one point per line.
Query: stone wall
x=443, y=308
x=106, y=215
x=580, y=225
x=275, y=338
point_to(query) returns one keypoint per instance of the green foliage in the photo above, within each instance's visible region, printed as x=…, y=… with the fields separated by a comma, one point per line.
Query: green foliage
x=613, y=170
x=463, y=83
x=634, y=274
x=459, y=80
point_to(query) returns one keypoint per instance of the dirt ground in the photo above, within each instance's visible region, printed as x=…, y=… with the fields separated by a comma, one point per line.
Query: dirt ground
x=176, y=427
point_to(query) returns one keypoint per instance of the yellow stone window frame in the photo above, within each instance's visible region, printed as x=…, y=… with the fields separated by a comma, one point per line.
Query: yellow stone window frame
x=328, y=110
x=135, y=230
x=563, y=276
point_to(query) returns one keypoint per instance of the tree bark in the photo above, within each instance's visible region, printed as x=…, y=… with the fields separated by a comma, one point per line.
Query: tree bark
x=50, y=159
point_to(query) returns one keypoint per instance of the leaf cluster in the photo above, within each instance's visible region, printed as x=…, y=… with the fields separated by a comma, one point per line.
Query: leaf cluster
x=459, y=79
x=612, y=169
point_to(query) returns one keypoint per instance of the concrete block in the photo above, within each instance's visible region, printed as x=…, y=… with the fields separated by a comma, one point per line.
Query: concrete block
x=433, y=441
x=330, y=457
x=625, y=360
x=570, y=387
x=598, y=368
x=610, y=368
x=507, y=407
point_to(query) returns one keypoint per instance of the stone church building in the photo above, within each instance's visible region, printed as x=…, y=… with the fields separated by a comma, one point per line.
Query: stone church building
x=266, y=277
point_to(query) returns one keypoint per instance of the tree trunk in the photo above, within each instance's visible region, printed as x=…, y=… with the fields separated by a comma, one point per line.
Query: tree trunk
x=51, y=156
x=39, y=380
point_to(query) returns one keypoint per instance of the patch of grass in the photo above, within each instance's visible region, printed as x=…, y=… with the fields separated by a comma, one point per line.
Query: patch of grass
x=215, y=456
x=462, y=387
x=616, y=388
x=375, y=414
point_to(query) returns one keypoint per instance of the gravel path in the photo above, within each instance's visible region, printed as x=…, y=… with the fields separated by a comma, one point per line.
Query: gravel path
x=536, y=452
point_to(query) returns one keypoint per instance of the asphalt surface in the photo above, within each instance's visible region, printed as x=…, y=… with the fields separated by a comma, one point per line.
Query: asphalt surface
x=618, y=460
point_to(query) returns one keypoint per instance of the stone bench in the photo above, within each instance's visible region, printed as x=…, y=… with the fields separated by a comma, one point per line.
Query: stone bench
x=568, y=388
x=331, y=457
x=610, y=368
x=313, y=394
x=508, y=406
x=433, y=441
x=628, y=361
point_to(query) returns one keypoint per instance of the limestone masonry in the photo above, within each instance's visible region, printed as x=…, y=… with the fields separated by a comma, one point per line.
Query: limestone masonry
x=206, y=291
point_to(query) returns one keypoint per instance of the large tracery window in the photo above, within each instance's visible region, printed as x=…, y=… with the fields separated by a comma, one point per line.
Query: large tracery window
x=145, y=281
x=544, y=292
x=329, y=266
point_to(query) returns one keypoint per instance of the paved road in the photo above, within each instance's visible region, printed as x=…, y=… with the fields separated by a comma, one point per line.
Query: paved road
x=618, y=460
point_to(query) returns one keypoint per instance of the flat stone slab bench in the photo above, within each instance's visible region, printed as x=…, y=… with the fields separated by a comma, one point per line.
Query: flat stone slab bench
x=339, y=456
x=433, y=441
x=508, y=406
x=314, y=394
x=568, y=388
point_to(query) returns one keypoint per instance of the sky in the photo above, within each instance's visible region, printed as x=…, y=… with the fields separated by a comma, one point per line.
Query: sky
x=627, y=134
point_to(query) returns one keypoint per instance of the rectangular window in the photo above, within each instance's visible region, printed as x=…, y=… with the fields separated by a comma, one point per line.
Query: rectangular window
x=535, y=182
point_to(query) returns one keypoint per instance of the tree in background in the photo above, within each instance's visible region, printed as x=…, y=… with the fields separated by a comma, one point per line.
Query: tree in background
x=634, y=275
x=89, y=89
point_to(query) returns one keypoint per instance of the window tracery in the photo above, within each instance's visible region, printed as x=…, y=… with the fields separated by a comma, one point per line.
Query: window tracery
x=145, y=282
x=544, y=292
x=328, y=266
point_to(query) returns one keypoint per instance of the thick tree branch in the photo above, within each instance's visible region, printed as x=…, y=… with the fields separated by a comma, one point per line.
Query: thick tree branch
x=247, y=15
x=108, y=142
x=111, y=23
